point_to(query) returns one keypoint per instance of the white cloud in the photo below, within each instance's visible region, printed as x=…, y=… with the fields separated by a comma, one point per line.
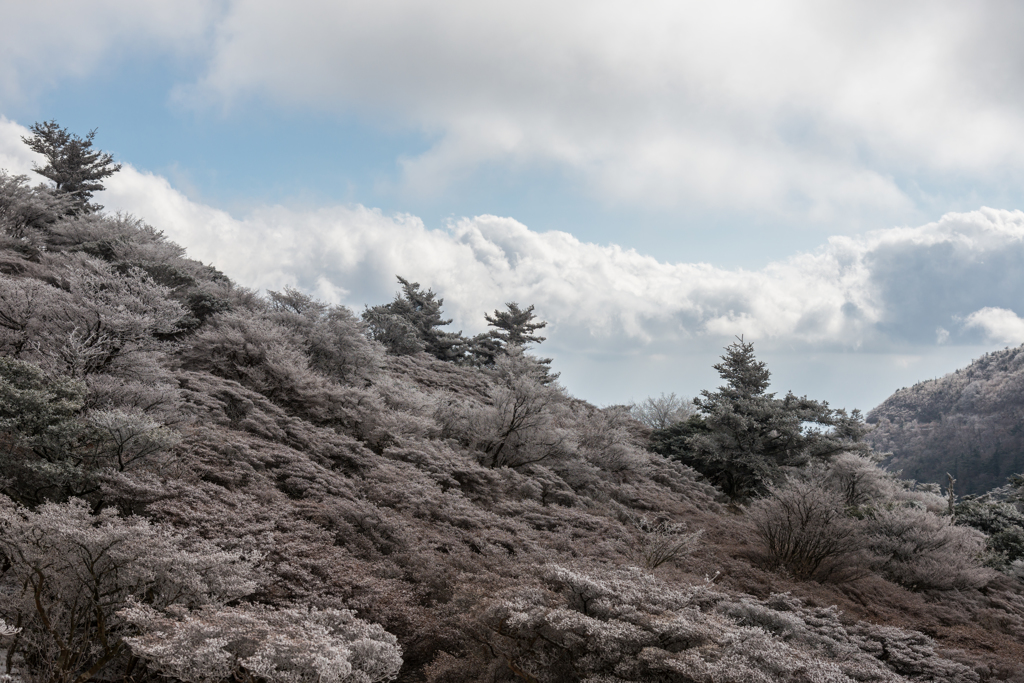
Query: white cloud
x=819, y=111
x=1001, y=325
x=888, y=287
x=45, y=40
x=795, y=107
x=15, y=157
x=586, y=290
x=850, y=321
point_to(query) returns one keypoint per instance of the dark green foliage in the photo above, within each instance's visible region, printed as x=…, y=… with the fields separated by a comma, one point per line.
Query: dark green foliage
x=71, y=163
x=399, y=336
x=744, y=436
x=40, y=433
x=202, y=304
x=412, y=323
x=1002, y=522
x=52, y=447
x=484, y=349
x=514, y=329
x=516, y=326
x=33, y=405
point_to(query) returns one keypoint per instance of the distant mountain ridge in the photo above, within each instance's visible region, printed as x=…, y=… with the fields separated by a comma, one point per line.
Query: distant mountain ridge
x=969, y=423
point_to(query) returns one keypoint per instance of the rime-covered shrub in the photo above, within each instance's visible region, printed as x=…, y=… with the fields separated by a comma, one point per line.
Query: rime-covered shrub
x=40, y=433
x=155, y=394
x=863, y=651
x=845, y=518
x=70, y=572
x=112, y=321
x=269, y=359
x=522, y=424
x=578, y=625
x=127, y=241
x=255, y=352
x=922, y=550
x=607, y=439
x=616, y=625
x=333, y=337
x=27, y=315
x=251, y=642
x=339, y=348
x=127, y=439
x=653, y=543
x=804, y=528
x=25, y=210
x=857, y=480
x=925, y=496
x=1017, y=569
x=662, y=411
x=54, y=448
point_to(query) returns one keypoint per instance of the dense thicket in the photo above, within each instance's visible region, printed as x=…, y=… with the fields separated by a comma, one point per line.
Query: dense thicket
x=200, y=483
x=969, y=424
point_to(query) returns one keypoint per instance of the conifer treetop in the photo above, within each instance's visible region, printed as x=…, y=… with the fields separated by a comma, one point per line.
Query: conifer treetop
x=71, y=163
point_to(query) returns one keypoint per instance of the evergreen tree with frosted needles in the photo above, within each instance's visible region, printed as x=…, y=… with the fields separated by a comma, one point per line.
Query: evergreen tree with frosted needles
x=72, y=164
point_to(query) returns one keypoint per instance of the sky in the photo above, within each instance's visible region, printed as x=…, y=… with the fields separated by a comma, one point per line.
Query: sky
x=840, y=183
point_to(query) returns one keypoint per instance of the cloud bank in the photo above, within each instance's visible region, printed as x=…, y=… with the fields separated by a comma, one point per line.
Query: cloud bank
x=963, y=274
x=905, y=293
x=957, y=280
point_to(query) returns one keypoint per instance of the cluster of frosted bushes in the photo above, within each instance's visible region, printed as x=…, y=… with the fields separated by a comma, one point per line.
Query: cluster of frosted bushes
x=847, y=519
x=88, y=592
x=291, y=645
x=602, y=626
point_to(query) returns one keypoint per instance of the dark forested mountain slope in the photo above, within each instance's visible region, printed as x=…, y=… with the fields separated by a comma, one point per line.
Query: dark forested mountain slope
x=969, y=424
x=199, y=483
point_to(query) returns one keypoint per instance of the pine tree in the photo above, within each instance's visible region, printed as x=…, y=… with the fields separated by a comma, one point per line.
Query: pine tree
x=515, y=326
x=412, y=323
x=744, y=436
x=71, y=162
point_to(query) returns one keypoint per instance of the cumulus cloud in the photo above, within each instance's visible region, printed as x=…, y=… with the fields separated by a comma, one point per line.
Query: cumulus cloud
x=1000, y=324
x=352, y=253
x=943, y=282
x=858, y=316
x=886, y=288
